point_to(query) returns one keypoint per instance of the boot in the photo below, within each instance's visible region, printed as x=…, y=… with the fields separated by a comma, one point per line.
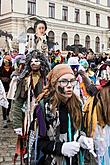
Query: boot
x=5, y=124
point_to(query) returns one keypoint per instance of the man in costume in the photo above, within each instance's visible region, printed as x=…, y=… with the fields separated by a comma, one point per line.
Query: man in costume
x=31, y=82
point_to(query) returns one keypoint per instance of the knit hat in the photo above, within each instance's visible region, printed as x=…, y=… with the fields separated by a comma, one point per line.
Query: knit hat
x=58, y=71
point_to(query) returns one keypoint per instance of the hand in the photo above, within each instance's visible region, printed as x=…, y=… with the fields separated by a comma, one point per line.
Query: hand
x=70, y=148
x=86, y=142
x=18, y=131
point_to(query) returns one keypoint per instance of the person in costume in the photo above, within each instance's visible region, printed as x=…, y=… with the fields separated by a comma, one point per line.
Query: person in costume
x=97, y=117
x=103, y=74
x=19, y=66
x=5, y=72
x=58, y=118
x=77, y=65
x=30, y=84
x=41, y=38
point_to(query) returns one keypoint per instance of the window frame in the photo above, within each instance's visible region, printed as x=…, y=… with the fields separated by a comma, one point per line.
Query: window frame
x=65, y=13
x=51, y=10
x=32, y=7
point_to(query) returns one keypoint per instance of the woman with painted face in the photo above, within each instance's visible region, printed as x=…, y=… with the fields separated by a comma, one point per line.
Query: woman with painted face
x=59, y=117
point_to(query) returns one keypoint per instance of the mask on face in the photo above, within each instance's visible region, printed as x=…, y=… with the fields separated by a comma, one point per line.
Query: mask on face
x=35, y=62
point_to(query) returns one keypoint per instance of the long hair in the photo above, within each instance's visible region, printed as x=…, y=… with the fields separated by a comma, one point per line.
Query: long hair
x=44, y=66
x=103, y=106
x=73, y=104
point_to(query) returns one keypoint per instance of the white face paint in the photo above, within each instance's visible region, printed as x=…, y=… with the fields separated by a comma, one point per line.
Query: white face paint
x=35, y=64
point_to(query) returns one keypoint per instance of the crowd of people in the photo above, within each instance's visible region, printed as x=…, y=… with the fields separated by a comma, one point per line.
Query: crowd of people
x=60, y=105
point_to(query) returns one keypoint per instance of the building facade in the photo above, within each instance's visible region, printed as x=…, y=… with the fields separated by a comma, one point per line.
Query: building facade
x=70, y=22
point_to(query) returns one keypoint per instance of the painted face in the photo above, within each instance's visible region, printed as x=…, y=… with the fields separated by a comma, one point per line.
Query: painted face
x=65, y=85
x=35, y=64
x=40, y=29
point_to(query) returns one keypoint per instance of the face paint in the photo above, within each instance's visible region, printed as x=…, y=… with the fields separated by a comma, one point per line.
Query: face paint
x=35, y=61
x=61, y=90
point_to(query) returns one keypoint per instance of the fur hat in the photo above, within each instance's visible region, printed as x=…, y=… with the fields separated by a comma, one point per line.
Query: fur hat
x=58, y=71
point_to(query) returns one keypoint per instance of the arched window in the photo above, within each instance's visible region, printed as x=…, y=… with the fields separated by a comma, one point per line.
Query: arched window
x=87, y=42
x=76, y=39
x=30, y=30
x=64, y=41
x=51, y=36
x=97, y=44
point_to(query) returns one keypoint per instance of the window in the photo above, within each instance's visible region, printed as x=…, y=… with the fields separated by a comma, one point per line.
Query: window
x=76, y=39
x=87, y=17
x=108, y=42
x=77, y=16
x=64, y=41
x=87, y=42
x=51, y=10
x=97, y=45
x=30, y=30
x=109, y=22
x=108, y=3
x=97, y=19
x=98, y=1
x=32, y=7
x=65, y=13
x=51, y=36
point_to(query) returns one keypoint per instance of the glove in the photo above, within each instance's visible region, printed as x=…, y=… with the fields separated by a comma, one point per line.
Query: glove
x=70, y=148
x=18, y=131
x=86, y=143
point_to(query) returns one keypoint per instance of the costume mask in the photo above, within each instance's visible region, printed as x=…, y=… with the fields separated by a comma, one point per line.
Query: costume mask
x=35, y=61
x=35, y=64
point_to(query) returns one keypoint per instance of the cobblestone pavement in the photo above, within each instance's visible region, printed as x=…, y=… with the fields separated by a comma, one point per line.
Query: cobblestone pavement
x=7, y=144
